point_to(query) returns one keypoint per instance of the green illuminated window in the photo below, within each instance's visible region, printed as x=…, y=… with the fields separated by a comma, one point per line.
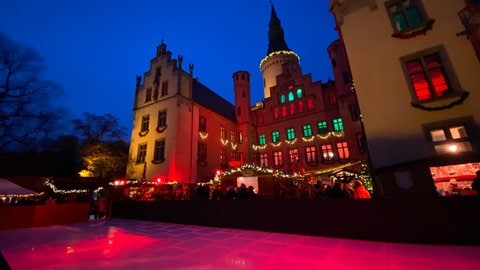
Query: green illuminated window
x=405, y=14
x=291, y=97
x=337, y=124
x=322, y=127
x=290, y=133
x=275, y=136
x=282, y=99
x=299, y=93
x=307, y=130
x=262, y=140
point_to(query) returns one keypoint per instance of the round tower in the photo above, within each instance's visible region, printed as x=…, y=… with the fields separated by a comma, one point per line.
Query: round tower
x=278, y=54
x=241, y=86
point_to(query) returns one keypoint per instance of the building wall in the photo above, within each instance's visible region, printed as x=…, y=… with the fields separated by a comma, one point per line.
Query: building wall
x=397, y=132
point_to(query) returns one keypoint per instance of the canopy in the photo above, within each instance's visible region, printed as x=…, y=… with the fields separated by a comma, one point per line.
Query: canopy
x=8, y=188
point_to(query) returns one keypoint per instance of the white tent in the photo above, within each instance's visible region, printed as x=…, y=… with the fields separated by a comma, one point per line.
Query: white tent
x=9, y=189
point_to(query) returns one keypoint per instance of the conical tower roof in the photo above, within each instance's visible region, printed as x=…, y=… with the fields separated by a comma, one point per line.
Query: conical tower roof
x=276, y=40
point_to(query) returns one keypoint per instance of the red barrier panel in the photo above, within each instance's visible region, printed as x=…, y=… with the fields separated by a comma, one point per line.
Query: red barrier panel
x=15, y=217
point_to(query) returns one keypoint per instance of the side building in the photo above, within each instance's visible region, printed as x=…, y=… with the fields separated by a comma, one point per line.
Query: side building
x=417, y=81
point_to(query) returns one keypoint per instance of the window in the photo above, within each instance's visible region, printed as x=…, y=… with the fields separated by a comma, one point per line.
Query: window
x=346, y=77
x=202, y=153
x=342, y=148
x=284, y=111
x=223, y=156
x=239, y=111
x=241, y=157
x=427, y=74
x=263, y=160
x=332, y=99
x=276, y=113
x=307, y=130
x=309, y=104
x=337, y=124
x=240, y=137
x=322, y=127
x=405, y=14
x=262, y=139
x=327, y=152
x=300, y=106
x=261, y=119
x=277, y=158
x=232, y=136
x=311, y=154
x=293, y=154
x=148, y=95
x=222, y=132
x=164, y=88
x=202, y=124
x=162, y=118
x=283, y=99
x=292, y=109
x=450, y=139
x=159, y=151
x=291, y=97
x=299, y=93
x=361, y=142
x=155, y=91
x=145, y=122
x=275, y=136
x=354, y=112
x=141, y=153
x=233, y=156
x=290, y=134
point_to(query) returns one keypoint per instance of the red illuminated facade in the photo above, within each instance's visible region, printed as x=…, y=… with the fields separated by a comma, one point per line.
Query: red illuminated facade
x=185, y=132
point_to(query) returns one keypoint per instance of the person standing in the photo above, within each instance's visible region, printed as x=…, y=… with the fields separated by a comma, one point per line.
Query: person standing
x=359, y=190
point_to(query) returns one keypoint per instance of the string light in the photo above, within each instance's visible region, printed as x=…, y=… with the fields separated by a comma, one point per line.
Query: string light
x=203, y=135
x=63, y=191
x=224, y=141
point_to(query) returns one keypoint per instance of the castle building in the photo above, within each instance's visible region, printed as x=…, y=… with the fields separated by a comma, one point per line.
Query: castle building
x=416, y=70
x=185, y=132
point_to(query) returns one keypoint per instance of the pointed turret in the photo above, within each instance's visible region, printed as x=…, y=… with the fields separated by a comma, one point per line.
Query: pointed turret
x=276, y=40
x=278, y=55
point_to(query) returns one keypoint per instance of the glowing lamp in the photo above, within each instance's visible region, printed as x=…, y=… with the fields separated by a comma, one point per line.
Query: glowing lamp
x=453, y=148
x=159, y=180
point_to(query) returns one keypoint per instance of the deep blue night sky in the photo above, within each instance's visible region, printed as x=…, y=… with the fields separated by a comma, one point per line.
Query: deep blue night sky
x=95, y=49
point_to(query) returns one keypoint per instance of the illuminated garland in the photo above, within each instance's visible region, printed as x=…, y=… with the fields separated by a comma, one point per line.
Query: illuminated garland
x=136, y=182
x=63, y=191
x=276, y=144
x=277, y=53
x=308, y=139
x=203, y=135
x=337, y=134
x=259, y=147
x=224, y=141
x=292, y=141
x=234, y=145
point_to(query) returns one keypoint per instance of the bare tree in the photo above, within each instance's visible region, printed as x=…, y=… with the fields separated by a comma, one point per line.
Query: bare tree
x=26, y=112
x=98, y=128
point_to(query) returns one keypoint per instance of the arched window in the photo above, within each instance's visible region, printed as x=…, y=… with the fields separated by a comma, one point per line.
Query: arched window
x=299, y=93
x=292, y=109
x=282, y=99
x=291, y=97
x=309, y=104
x=284, y=111
x=300, y=106
x=276, y=113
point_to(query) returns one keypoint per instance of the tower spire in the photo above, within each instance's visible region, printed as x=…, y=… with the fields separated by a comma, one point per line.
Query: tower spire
x=276, y=40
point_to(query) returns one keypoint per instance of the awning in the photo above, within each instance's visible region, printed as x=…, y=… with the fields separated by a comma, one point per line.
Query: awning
x=10, y=189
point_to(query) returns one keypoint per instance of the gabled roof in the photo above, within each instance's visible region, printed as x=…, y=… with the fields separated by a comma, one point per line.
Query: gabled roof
x=211, y=100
